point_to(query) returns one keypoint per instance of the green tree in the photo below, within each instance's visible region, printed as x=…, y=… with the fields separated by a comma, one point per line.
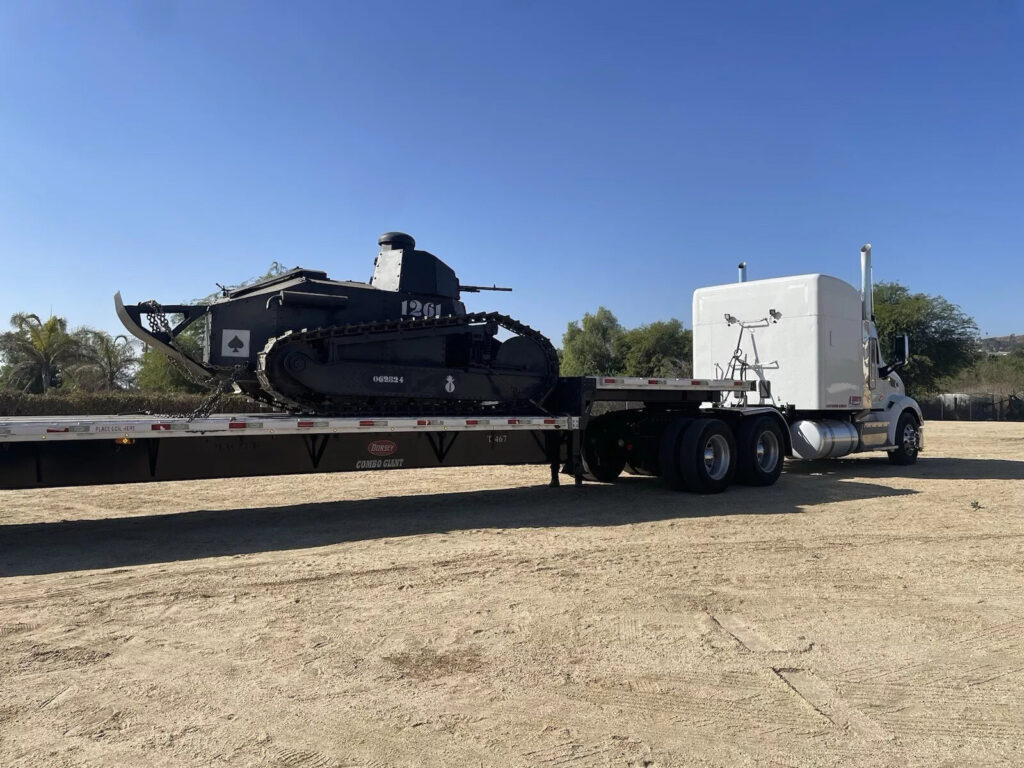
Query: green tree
x=156, y=371
x=598, y=345
x=36, y=353
x=590, y=346
x=943, y=338
x=107, y=364
x=661, y=348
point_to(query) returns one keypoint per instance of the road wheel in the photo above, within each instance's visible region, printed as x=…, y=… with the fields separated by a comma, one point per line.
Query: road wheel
x=760, y=451
x=603, y=456
x=908, y=440
x=668, y=453
x=707, y=456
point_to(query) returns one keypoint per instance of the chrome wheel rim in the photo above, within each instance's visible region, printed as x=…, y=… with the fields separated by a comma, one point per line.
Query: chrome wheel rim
x=910, y=438
x=767, y=451
x=716, y=457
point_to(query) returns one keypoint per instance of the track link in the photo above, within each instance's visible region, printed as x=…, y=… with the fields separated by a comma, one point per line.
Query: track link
x=400, y=405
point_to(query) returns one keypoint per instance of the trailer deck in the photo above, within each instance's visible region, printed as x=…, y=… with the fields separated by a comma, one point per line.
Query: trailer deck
x=41, y=451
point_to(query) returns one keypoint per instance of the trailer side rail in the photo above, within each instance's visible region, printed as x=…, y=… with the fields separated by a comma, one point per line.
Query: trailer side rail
x=694, y=385
x=53, y=428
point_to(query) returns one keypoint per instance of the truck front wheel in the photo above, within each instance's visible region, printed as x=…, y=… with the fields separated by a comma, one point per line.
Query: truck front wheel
x=760, y=447
x=908, y=440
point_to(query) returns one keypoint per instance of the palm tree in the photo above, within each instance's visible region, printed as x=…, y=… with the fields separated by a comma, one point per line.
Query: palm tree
x=108, y=361
x=36, y=352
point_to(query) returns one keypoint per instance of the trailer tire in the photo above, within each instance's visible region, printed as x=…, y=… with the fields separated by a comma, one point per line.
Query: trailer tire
x=760, y=451
x=707, y=456
x=603, y=457
x=668, y=453
x=908, y=437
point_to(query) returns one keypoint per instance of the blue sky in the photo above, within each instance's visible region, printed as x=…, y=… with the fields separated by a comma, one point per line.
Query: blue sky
x=584, y=153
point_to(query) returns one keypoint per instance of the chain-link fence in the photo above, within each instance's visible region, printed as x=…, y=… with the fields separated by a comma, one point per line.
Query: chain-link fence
x=973, y=407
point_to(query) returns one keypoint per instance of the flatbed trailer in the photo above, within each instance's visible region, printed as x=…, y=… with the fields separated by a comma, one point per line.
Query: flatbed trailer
x=781, y=367
x=46, y=451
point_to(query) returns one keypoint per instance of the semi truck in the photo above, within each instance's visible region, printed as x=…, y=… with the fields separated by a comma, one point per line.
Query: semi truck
x=782, y=367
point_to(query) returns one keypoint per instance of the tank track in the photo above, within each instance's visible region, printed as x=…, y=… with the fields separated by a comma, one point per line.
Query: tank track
x=402, y=406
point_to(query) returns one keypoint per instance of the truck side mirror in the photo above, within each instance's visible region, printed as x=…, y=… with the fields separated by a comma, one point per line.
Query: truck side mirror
x=901, y=355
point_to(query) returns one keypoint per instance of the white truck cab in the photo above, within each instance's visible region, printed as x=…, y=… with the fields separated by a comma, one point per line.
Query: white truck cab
x=811, y=343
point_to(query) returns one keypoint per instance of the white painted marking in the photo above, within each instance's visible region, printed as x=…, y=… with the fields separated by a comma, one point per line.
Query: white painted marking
x=234, y=343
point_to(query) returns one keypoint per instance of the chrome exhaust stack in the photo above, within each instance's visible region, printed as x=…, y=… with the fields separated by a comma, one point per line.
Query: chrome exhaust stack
x=866, y=298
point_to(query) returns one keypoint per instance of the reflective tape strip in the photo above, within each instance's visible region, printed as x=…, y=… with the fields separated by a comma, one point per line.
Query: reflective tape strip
x=710, y=385
x=38, y=428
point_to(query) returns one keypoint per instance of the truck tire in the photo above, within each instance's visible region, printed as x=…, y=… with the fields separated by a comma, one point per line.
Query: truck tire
x=908, y=436
x=707, y=456
x=668, y=453
x=603, y=457
x=760, y=451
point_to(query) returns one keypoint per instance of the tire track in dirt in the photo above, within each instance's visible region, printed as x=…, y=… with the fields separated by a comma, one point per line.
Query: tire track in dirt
x=300, y=758
x=53, y=659
x=568, y=754
x=821, y=697
x=743, y=634
x=693, y=707
x=609, y=751
x=62, y=694
x=826, y=702
x=6, y=630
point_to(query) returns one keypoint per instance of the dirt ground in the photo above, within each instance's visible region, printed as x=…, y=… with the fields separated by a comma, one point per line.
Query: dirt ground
x=854, y=614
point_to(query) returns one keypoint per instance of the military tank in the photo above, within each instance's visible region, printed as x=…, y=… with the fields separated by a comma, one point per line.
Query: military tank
x=401, y=344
